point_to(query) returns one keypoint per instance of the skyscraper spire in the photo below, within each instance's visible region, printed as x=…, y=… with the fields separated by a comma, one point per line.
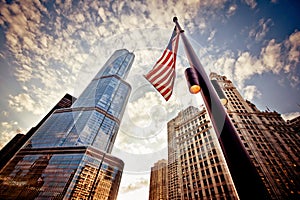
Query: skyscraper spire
x=94, y=118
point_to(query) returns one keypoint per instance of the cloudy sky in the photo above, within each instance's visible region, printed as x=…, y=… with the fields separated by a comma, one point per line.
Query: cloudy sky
x=51, y=48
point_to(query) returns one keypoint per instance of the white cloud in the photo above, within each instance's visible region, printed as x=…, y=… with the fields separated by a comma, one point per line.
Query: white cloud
x=225, y=65
x=79, y=18
x=136, y=144
x=103, y=14
x=251, y=3
x=144, y=122
x=135, y=186
x=23, y=102
x=4, y=113
x=245, y=67
x=8, y=125
x=274, y=57
x=260, y=31
x=293, y=43
x=5, y=137
x=37, y=102
x=139, y=110
x=289, y=116
x=8, y=131
x=23, y=73
x=213, y=4
x=271, y=57
x=251, y=92
x=211, y=35
x=231, y=10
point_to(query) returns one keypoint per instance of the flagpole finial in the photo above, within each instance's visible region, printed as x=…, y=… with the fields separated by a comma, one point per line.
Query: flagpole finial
x=175, y=20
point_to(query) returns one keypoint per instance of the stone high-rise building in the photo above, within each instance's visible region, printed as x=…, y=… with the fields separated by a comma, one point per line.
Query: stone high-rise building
x=158, y=181
x=200, y=170
x=272, y=143
x=294, y=124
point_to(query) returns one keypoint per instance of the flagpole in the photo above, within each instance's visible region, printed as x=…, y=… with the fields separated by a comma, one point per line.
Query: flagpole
x=245, y=177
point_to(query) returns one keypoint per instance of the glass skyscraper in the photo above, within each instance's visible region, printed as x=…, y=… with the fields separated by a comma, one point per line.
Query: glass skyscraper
x=68, y=157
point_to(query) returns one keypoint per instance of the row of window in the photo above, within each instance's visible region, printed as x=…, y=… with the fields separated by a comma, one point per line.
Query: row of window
x=220, y=192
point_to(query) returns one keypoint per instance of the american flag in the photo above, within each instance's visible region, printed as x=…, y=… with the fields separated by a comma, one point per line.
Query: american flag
x=162, y=76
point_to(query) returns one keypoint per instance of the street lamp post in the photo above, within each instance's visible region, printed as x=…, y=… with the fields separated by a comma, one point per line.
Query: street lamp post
x=247, y=181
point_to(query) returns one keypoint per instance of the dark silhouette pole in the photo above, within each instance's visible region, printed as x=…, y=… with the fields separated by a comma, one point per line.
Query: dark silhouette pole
x=247, y=181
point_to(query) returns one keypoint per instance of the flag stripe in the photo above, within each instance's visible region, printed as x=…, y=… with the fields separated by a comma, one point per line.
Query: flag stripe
x=163, y=69
x=165, y=75
x=165, y=87
x=158, y=76
x=162, y=57
x=162, y=75
x=165, y=82
x=161, y=87
x=160, y=63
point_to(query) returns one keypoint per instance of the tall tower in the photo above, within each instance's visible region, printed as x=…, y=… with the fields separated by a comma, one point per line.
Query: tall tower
x=174, y=191
x=201, y=170
x=273, y=145
x=158, y=181
x=68, y=156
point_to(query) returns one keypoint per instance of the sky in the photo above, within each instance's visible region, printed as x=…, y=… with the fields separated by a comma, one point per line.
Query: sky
x=50, y=48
